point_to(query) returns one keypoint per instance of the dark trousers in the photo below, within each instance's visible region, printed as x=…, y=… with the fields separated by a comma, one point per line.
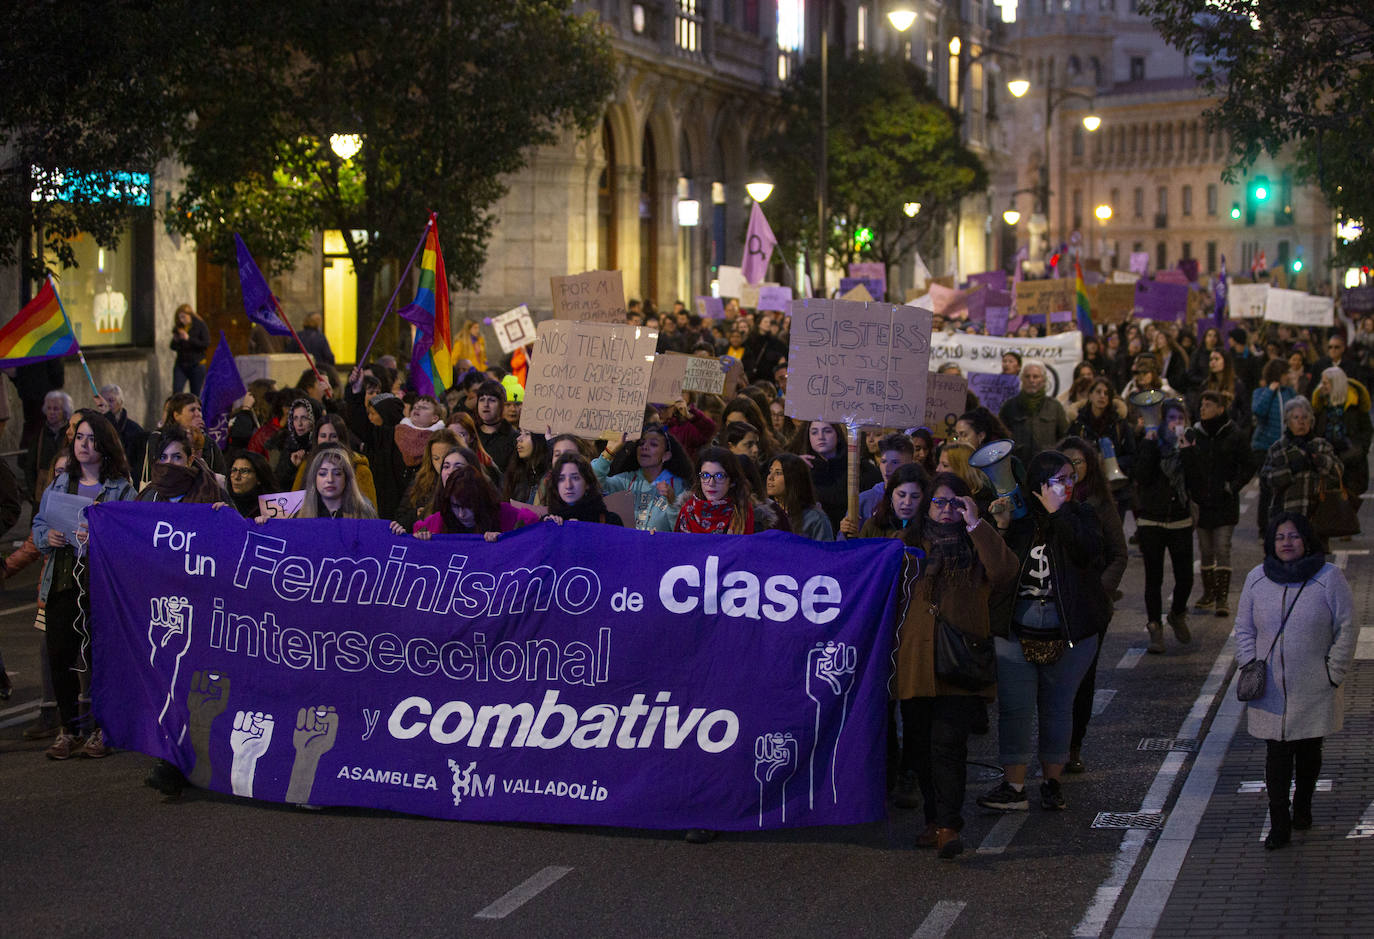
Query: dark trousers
x=1083, y=701
x=938, y=730
x=64, y=653
x=1266, y=495
x=184, y=375
x=1154, y=541
x=1283, y=761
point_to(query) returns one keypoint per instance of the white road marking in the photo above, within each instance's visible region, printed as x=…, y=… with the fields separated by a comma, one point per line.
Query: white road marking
x=30, y=607
x=1156, y=882
x=1342, y=557
x=1101, y=698
x=1000, y=835
x=1132, y=657
x=1365, y=827
x=1364, y=645
x=939, y=920
x=1257, y=785
x=522, y=894
x=16, y=708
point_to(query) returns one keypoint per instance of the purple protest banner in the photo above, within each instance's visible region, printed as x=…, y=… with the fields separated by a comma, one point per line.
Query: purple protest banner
x=718, y=681
x=1061, y=316
x=874, y=287
x=995, y=280
x=996, y=319
x=1160, y=301
x=993, y=389
x=712, y=308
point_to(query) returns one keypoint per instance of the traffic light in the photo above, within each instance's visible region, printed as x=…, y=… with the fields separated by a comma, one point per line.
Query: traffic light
x=1260, y=188
x=862, y=237
x=1235, y=211
x=1296, y=266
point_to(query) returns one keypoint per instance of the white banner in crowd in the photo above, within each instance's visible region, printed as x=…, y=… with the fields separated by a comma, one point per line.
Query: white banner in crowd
x=1060, y=353
x=1246, y=301
x=1299, y=308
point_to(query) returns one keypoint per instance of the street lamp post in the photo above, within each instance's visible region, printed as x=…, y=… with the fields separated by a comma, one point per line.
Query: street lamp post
x=1091, y=122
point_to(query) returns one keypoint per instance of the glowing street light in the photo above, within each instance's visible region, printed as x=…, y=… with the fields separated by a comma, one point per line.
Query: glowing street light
x=1011, y=216
x=911, y=208
x=759, y=190
x=901, y=18
x=1018, y=87
x=1091, y=122
x=345, y=146
x=1103, y=213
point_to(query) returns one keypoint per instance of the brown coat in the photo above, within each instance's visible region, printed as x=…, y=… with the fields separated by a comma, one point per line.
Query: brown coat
x=965, y=607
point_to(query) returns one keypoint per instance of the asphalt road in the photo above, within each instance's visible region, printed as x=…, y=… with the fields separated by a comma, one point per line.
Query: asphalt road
x=87, y=849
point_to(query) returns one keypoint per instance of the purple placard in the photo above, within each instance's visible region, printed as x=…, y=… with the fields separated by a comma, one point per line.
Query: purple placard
x=1061, y=316
x=996, y=319
x=994, y=280
x=711, y=308
x=876, y=288
x=1357, y=300
x=993, y=389
x=1170, y=276
x=537, y=678
x=775, y=299
x=1160, y=301
x=1140, y=262
x=1188, y=267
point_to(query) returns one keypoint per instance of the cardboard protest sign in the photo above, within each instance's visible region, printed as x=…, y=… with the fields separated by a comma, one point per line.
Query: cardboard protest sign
x=749, y=295
x=514, y=328
x=1111, y=303
x=862, y=362
x=730, y=279
x=711, y=308
x=589, y=379
x=1299, y=309
x=857, y=294
x=947, y=301
x=1125, y=277
x=704, y=374
x=280, y=504
x=675, y=373
x=945, y=399
x=774, y=298
x=596, y=296
x=995, y=319
x=1043, y=297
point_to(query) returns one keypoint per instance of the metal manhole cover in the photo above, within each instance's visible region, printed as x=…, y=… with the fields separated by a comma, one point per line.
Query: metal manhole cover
x=1149, y=821
x=1167, y=743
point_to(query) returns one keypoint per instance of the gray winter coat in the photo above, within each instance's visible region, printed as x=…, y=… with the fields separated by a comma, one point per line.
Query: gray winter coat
x=1303, y=697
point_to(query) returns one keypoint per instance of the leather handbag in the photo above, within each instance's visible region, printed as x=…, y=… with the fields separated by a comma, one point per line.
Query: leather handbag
x=1333, y=516
x=1253, y=674
x=963, y=660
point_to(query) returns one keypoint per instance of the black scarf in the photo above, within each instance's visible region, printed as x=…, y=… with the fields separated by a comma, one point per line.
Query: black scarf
x=584, y=510
x=1293, y=572
x=1213, y=425
x=949, y=549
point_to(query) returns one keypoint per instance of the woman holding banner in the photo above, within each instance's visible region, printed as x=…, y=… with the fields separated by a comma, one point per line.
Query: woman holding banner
x=250, y=476
x=719, y=502
x=576, y=493
x=178, y=476
x=467, y=503
x=787, y=481
x=415, y=503
x=331, y=488
x=98, y=471
x=653, y=471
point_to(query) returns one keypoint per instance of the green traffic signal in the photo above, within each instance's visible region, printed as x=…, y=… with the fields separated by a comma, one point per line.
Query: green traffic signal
x=1260, y=189
x=1297, y=265
x=1235, y=210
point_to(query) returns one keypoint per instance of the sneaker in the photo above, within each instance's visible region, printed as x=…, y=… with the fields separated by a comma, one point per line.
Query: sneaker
x=1005, y=799
x=1051, y=796
x=95, y=748
x=907, y=795
x=62, y=747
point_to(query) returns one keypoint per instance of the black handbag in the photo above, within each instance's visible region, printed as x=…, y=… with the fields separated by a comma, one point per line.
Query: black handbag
x=960, y=659
x=1253, y=674
x=1333, y=516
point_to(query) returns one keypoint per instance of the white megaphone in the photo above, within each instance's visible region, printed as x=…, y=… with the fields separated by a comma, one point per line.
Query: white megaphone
x=994, y=459
x=1150, y=404
x=1109, y=464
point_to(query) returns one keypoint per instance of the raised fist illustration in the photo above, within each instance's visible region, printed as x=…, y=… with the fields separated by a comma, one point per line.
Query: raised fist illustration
x=775, y=763
x=830, y=670
x=316, y=729
x=250, y=738
x=207, y=699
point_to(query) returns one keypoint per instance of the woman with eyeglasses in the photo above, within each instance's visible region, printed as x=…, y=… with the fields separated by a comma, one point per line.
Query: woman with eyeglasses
x=954, y=459
x=250, y=476
x=1090, y=488
x=653, y=468
x=1164, y=522
x=1046, y=628
x=966, y=559
x=719, y=501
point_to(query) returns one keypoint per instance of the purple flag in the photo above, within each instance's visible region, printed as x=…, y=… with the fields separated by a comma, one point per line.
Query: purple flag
x=758, y=247
x=258, y=302
x=423, y=321
x=223, y=386
x=1219, y=290
x=717, y=681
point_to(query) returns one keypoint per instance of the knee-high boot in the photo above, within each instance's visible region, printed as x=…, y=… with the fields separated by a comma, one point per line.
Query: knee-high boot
x=1278, y=773
x=1221, y=590
x=1308, y=768
x=1205, y=602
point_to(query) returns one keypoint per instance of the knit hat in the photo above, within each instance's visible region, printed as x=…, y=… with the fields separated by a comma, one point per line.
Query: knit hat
x=514, y=390
x=390, y=407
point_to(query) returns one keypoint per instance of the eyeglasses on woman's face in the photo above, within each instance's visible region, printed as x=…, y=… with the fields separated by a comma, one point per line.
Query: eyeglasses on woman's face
x=942, y=503
x=716, y=477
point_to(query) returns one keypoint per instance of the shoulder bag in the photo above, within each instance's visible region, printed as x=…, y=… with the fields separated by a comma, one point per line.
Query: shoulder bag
x=1252, y=673
x=960, y=659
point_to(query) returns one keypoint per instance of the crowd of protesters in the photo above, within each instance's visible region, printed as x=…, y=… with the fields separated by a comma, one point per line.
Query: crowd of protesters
x=1092, y=460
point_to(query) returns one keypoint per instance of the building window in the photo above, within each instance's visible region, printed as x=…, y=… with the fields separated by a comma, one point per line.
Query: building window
x=1212, y=199
x=1187, y=250
x=1078, y=209
x=1078, y=142
x=1137, y=68
x=1116, y=200
x=1187, y=207
x=1211, y=256
x=1162, y=200
x=689, y=23
x=1139, y=200
x=1161, y=256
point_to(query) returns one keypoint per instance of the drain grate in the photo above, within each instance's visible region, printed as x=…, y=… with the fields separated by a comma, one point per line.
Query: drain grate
x=1167, y=743
x=1149, y=821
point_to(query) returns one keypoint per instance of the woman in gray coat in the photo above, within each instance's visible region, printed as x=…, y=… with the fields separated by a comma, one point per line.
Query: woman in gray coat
x=1295, y=613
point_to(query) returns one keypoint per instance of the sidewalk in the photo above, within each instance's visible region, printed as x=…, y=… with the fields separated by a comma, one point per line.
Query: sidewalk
x=1209, y=874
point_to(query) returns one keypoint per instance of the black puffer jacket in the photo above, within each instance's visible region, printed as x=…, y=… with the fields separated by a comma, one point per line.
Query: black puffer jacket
x=1215, y=468
x=1077, y=558
x=1158, y=495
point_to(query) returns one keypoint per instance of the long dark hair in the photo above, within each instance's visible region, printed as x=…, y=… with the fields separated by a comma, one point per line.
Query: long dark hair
x=113, y=463
x=524, y=474
x=1311, y=541
x=798, y=495
x=592, y=500
x=1093, y=483
x=470, y=488
x=627, y=457
x=986, y=423
x=885, y=517
x=1042, y=466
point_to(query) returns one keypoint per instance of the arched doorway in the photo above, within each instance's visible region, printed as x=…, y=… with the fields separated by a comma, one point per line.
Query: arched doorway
x=605, y=203
x=648, y=220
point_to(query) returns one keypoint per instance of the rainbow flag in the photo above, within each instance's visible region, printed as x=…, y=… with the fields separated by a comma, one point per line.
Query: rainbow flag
x=1085, y=319
x=431, y=359
x=39, y=332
